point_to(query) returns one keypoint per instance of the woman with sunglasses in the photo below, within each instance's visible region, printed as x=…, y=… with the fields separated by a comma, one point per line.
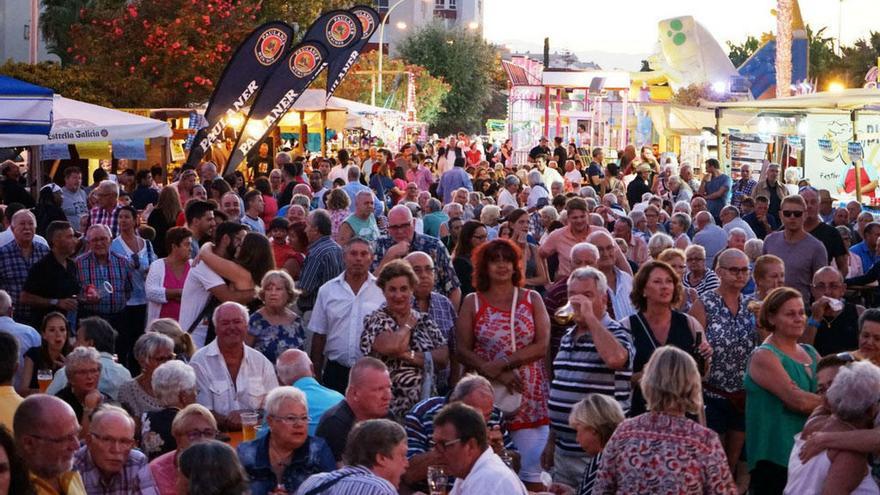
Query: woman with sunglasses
x=140, y=254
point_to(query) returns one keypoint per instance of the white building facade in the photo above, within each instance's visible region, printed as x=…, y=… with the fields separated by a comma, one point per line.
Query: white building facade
x=410, y=15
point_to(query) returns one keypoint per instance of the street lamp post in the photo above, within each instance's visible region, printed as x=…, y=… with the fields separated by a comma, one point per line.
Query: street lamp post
x=382, y=42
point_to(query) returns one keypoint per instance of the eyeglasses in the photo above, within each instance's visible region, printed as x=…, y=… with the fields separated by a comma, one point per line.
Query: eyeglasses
x=163, y=358
x=695, y=259
x=125, y=443
x=292, y=420
x=399, y=226
x=194, y=435
x=445, y=445
x=73, y=437
x=822, y=286
x=792, y=213
x=736, y=271
x=90, y=371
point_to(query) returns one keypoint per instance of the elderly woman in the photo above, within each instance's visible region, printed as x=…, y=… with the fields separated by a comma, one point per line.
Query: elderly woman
x=503, y=332
x=54, y=346
x=639, y=185
x=698, y=276
x=489, y=216
x=852, y=404
x=731, y=332
x=594, y=419
x=83, y=369
x=853, y=262
x=274, y=328
x=780, y=389
x=869, y=336
x=193, y=424
x=408, y=341
x=137, y=396
x=656, y=291
x=210, y=468
x=287, y=455
x=663, y=448
x=768, y=273
x=184, y=347
x=164, y=284
x=676, y=259
x=174, y=384
x=678, y=229
x=658, y=243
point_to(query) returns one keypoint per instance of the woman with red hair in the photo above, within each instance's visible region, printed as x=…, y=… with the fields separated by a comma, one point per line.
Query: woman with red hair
x=503, y=332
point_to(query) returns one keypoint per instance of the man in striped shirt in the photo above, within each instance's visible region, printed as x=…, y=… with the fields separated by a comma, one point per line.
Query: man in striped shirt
x=595, y=356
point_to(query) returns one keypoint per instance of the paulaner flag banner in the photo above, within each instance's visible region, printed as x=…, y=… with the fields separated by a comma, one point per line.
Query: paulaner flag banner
x=339, y=66
x=304, y=63
x=247, y=71
x=341, y=31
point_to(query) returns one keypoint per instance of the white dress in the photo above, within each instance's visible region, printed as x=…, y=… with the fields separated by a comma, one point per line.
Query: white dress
x=808, y=478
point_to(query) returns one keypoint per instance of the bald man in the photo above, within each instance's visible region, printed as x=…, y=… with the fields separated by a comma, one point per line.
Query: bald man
x=403, y=239
x=47, y=437
x=295, y=368
x=834, y=322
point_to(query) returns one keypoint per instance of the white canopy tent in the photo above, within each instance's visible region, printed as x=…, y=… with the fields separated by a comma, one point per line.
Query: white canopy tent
x=77, y=122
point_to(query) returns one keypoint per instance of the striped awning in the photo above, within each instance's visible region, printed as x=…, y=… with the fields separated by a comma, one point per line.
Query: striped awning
x=24, y=108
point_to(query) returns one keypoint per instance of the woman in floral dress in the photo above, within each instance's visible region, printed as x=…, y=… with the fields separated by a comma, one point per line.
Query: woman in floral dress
x=274, y=328
x=483, y=343
x=406, y=340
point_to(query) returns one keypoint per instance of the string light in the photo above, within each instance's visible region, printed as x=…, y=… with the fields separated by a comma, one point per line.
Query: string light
x=783, y=48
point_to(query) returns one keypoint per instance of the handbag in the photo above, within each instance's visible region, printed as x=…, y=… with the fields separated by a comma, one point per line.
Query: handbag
x=506, y=400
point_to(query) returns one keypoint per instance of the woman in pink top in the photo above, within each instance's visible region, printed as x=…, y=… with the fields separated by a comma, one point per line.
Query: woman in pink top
x=514, y=357
x=164, y=284
x=270, y=206
x=194, y=423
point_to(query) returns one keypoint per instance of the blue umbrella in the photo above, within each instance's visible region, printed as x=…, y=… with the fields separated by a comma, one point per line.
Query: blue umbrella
x=24, y=108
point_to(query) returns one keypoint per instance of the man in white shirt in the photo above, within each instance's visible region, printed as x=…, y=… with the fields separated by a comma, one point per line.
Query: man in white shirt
x=254, y=205
x=731, y=220
x=202, y=283
x=232, y=377
x=338, y=316
x=507, y=196
x=619, y=282
x=538, y=190
x=461, y=438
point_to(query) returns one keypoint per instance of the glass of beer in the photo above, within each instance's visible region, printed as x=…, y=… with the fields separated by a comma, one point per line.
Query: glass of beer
x=565, y=314
x=438, y=480
x=44, y=378
x=249, y=423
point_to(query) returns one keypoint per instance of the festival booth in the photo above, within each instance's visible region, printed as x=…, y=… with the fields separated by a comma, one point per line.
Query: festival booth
x=26, y=109
x=833, y=137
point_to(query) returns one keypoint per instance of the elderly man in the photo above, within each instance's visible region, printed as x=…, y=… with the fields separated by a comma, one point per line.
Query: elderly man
x=18, y=257
x=207, y=173
x=47, y=437
x=104, y=276
x=678, y=190
x=232, y=377
x=295, y=368
x=802, y=253
x=434, y=219
x=96, y=332
x=376, y=461
x=106, y=212
x=772, y=189
x=11, y=189
x=618, y=281
x=638, y=248
x=595, y=356
x=834, y=322
x=287, y=455
x=74, y=199
x=323, y=262
x=730, y=220
x=453, y=179
x=826, y=234
x=25, y=335
x=709, y=235
x=230, y=205
x=461, y=437
x=367, y=397
x=402, y=239
x=866, y=250
x=507, y=196
x=538, y=190
x=760, y=220
x=743, y=187
x=361, y=223
x=338, y=316
x=107, y=462
x=192, y=424
x=473, y=390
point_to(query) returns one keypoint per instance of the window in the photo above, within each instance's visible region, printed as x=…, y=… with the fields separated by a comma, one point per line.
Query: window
x=440, y=4
x=451, y=4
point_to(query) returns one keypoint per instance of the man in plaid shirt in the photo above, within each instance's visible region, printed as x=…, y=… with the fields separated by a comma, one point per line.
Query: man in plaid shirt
x=107, y=211
x=105, y=278
x=744, y=186
x=17, y=258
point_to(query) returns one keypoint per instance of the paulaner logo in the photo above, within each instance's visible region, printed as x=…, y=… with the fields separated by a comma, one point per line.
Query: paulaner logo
x=269, y=45
x=304, y=60
x=340, y=30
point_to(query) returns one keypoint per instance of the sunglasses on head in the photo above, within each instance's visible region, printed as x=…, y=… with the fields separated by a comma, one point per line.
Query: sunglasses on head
x=792, y=213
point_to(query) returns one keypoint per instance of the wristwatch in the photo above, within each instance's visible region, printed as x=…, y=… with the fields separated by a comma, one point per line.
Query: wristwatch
x=53, y=302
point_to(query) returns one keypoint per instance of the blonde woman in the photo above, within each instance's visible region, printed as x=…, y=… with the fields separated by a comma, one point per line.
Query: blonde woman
x=662, y=447
x=275, y=328
x=184, y=347
x=676, y=259
x=594, y=418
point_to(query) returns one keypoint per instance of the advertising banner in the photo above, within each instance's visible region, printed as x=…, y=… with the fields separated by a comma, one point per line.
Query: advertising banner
x=828, y=163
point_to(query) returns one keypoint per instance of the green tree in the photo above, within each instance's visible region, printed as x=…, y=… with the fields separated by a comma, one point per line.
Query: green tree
x=462, y=59
x=859, y=58
x=825, y=64
x=496, y=108
x=739, y=53
x=301, y=12
x=72, y=82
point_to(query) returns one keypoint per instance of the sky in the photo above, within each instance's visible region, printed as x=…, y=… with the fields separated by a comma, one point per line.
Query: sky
x=621, y=32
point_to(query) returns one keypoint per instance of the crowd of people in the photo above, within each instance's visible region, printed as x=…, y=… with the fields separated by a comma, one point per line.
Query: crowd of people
x=438, y=319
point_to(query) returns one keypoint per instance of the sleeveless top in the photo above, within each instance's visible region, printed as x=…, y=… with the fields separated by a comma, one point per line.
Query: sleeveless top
x=841, y=335
x=492, y=340
x=171, y=309
x=368, y=229
x=770, y=426
x=809, y=477
x=646, y=343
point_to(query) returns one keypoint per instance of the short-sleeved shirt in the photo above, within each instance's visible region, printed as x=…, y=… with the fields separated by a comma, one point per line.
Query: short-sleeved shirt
x=217, y=390
x=594, y=170
x=802, y=259
x=199, y=282
x=14, y=268
x=50, y=280
x=446, y=280
x=419, y=425
x=830, y=238
x=117, y=271
x=335, y=426
x=323, y=263
x=714, y=185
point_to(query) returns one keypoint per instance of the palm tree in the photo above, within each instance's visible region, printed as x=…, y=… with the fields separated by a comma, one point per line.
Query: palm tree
x=55, y=22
